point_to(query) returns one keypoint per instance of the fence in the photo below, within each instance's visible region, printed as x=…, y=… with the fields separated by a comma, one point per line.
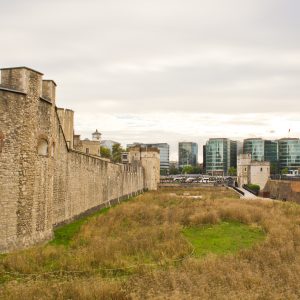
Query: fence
x=285, y=177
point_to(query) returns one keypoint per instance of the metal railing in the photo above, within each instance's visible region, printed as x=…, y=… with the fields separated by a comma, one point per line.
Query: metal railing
x=285, y=177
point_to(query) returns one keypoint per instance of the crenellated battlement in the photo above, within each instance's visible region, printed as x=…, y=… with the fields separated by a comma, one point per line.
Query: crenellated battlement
x=20, y=79
x=49, y=90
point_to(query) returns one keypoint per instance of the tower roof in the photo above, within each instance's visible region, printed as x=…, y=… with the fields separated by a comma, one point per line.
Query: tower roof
x=96, y=132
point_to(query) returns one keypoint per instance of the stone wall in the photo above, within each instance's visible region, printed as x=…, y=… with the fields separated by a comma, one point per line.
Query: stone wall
x=283, y=190
x=253, y=172
x=43, y=182
x=150, y=160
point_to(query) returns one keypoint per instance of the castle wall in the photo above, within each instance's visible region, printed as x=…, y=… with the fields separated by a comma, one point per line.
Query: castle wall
x=88, y=147
x=283, y=190
x=42, y=182
x=66, y=117
x=151, y=162
x=260, y=173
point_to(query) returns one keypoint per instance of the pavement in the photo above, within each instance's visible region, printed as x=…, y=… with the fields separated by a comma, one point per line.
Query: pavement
x=247, y=195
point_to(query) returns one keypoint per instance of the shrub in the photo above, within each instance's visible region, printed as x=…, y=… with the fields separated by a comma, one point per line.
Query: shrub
x=253, y=187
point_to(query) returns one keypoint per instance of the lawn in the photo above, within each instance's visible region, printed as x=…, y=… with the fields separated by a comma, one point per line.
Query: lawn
x=224, y=238
x=166, y=245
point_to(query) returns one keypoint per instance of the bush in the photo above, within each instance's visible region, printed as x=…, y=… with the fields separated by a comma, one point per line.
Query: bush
x=253, y=187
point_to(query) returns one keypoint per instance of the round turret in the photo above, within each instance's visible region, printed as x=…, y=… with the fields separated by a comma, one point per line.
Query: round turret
x=96, y=135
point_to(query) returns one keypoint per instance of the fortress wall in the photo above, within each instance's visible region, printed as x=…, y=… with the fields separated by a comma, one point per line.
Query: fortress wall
x=83, y=182
x=66, y=117
x=42, y=182
x=150, y=160
x=283, y=190
x=10, y=152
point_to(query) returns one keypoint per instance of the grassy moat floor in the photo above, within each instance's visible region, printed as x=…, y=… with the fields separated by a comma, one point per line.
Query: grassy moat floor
x=202, y=243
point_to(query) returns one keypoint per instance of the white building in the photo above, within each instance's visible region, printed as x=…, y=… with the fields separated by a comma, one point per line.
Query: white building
x=108, y=144
x=252, y=172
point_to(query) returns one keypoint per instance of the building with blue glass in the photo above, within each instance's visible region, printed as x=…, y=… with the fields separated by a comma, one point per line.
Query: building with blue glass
x=220, y=156
x=289, y=153
x=263, y=150
x=187, y=154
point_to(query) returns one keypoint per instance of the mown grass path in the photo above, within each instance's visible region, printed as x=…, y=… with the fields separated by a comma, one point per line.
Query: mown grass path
x=223, y=238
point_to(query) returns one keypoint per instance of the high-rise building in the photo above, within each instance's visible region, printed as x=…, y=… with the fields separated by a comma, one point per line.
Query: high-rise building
x=187, y=154
x=164, y=150
x=255, y=147
x=204, y=159
x=289, y=153
x=221, y=154
x=263, y=150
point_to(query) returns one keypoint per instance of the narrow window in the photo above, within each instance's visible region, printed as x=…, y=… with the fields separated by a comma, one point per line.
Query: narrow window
x=43, y=147
x=87, y=150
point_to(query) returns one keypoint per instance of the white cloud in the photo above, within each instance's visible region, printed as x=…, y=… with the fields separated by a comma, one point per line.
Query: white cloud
x=167, y=70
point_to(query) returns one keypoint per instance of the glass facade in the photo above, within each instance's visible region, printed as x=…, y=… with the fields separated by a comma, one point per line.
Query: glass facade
x=255, y=147
x=271, y=151
x=164, y=152
x=271, y=155
x=221, y=154
x=289, y=153
x=187, y=154
x=263, y=150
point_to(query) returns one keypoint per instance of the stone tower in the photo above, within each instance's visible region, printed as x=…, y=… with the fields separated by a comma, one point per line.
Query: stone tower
x=150, y=160
x=27, y=110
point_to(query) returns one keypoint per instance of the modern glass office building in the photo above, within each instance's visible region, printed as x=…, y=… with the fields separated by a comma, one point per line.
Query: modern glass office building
x=221, y=154
x=289, y=153
x=164, y=150
x=255, y=147
x=271, y=151
x=263, y=150
x=187, y=154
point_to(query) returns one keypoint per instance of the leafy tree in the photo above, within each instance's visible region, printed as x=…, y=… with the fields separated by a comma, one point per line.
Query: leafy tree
x=232, y=171
x=187, y=169
x=284, y=171
x=105, y=152
x=173, y=170
x=116, y=153
x=163, y=172
x=196, y=170
x=274, y=168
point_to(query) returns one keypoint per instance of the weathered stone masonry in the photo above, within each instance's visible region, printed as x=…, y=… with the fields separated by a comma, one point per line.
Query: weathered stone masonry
x=43, y=181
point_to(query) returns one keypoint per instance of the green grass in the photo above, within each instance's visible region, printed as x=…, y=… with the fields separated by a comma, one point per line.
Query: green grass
x=224, y=238
x=63, y=235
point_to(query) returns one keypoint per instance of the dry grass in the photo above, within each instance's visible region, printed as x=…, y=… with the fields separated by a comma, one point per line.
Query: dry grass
x=141, y=241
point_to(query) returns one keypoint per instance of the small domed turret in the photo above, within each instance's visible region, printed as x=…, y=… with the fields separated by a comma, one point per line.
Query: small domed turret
x=96, y=135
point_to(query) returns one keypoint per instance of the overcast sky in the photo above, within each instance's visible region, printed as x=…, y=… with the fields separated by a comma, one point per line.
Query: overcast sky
x=164, y=70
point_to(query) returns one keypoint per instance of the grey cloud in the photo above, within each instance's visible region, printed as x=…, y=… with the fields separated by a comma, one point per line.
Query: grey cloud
x=127, y=58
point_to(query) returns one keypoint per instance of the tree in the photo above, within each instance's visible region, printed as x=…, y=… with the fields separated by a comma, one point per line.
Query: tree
x=284, y=171
x=196, y=170
x=274, y=168
x=116, y=153
x=232, y=171
x=173, y=170
x=187, y=169
x=105, y=152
